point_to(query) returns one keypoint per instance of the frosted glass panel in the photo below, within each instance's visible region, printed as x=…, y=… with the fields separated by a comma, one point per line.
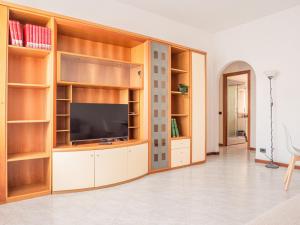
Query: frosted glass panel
x=159, y=105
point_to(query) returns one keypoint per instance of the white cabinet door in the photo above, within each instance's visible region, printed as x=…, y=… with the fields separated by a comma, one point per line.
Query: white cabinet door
x=198, y=107
x=186, y=156
x=73, y=170
x=176, y=156
x=137, y=161
x=110, y=166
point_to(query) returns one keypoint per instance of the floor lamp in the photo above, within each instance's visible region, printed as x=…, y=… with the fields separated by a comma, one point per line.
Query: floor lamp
x=271, y=75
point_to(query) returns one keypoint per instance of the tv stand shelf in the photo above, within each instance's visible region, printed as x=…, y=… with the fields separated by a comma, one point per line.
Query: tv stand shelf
x=97, y=146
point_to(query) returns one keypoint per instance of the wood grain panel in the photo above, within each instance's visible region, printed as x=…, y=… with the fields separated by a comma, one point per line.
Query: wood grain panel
x=92, y=48
x=27, y=104
x=99, y=95
x=28, y=172
x=97, y=33
x=3, y=77
x=198, y=107
x=27, y=137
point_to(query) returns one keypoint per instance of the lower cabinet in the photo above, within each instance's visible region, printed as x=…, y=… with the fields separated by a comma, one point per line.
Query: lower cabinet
x=180, y=152
x=87, y=169
x=110, y=166
x=137, y=159
x=73, y=170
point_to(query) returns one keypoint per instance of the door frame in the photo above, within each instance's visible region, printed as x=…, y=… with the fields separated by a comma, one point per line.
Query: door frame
x=225, y=106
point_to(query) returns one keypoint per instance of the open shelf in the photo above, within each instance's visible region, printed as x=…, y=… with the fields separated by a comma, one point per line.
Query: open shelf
x=28, y=190
x=27, y=121
x=178, y=71
x=180, y=137
x=27, y=138
x=26, y=156
x=180, y=102
x=179, y=115
x=178, y=93
x=62, y=115
x=24, y=85
x=28, y=52
x=61, y=131
x=63, y=99
x=98, y=71
x=28, y=178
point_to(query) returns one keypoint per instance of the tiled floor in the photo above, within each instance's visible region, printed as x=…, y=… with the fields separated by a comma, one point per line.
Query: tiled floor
x=228, y=189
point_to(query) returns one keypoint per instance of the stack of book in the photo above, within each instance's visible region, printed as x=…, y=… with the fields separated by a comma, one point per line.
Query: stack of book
x=15, y=31
x=174, y=130
x=34, y=36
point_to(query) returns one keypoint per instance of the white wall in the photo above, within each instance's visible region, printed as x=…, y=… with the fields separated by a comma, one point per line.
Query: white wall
x=236, y=67
x=132, y=19
x=270, y=43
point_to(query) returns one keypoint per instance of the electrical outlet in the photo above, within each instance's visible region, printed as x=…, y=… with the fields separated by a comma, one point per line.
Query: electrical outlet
x=262, y=150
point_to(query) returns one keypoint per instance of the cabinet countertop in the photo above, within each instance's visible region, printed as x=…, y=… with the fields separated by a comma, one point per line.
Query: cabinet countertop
x=96, y=146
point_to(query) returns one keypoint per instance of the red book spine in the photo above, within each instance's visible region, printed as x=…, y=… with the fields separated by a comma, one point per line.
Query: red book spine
x=44, y=37
x=49, y=38
x=20, y=36
x=29, y=36
x=33, y=36
x=15, y=32
x=26, y=35
x=11, y=33
x=40, y=36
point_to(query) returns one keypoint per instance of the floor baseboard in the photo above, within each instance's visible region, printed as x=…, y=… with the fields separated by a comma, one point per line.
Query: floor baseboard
x=277, y=163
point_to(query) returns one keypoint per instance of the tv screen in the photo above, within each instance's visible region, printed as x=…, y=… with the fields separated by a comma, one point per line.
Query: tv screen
x=96, y=121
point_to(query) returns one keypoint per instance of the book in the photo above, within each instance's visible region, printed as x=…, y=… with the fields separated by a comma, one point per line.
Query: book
x=19, y=32
x=34, y=36
x=176, y=128
x=15, y=30
x=44, y=37
x=173, y=132
x=11, y=33
x=39, y=40
x=31, y=36
x=49, y=39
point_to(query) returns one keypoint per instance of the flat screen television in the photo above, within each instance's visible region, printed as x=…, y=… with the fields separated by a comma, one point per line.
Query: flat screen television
x=98, y=121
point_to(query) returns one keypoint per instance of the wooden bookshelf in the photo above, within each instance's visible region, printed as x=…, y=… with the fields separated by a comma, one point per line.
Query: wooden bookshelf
x=29, y=76
x=180, y=102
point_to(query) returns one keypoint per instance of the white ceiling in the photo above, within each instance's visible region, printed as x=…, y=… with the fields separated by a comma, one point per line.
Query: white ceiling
x=212, y=15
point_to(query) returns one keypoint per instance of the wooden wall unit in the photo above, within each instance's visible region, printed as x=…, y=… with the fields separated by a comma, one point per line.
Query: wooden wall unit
x=95, y=64
x=28, y=121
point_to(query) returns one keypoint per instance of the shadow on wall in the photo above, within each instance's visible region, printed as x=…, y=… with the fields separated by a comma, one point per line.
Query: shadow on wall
x=237, y=66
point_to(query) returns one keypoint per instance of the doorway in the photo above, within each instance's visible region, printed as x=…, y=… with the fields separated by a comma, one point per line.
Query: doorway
x=237, y=108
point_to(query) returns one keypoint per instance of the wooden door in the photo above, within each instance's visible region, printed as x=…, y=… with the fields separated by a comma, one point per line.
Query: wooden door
x=110, y=166
x=73, y=170
x=137, y=161
x=198, y=107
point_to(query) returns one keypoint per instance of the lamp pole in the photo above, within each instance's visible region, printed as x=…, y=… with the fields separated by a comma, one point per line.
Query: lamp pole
x=271, y=164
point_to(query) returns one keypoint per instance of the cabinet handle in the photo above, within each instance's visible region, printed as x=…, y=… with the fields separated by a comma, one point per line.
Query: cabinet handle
x=92, y=155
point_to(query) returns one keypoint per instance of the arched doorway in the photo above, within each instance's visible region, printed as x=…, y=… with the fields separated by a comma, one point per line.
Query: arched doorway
x=237, y=105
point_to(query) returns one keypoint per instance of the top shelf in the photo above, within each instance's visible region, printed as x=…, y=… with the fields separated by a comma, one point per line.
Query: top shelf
x=178, y=71
x=97, y=60
x=98, y=33
x=29, y=52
